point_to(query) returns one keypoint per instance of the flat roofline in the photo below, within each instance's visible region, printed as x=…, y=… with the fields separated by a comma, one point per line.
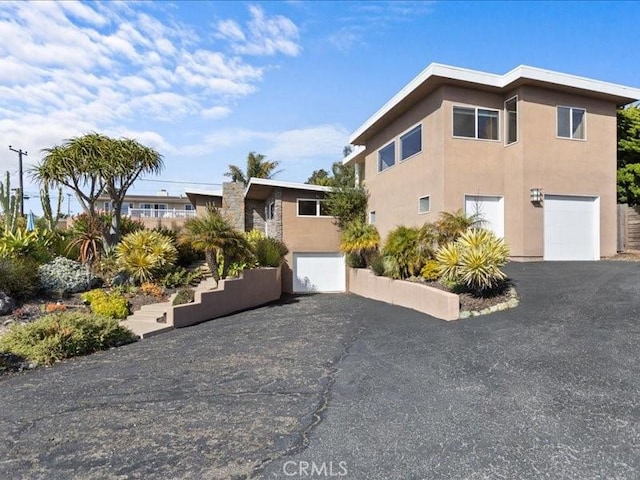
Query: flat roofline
x=280, y=184
x=206, y=193
x=621, y=94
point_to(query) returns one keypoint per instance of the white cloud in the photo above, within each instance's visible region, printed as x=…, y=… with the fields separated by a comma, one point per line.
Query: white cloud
x=69, y=68
x=263, y=35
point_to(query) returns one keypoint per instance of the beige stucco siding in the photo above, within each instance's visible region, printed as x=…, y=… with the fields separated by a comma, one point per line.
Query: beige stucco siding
x=394, y=192
x=449, y=168
x=304, y=234
x=564, y=166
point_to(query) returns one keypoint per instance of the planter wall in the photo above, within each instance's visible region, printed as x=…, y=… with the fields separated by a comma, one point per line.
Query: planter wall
x=429, y=300
x=254, y=288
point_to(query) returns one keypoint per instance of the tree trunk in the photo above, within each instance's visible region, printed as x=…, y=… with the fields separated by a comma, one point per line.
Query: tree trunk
x=116, y=221
x=212, y=262
x=225, y=266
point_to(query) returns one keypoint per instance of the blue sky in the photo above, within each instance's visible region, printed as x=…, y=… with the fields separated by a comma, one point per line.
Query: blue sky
x=207, y=82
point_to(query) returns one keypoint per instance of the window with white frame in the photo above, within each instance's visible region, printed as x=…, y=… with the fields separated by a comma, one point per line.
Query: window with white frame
x=312, y=208
x=372, y=217
x=271, y=211
x=571, y=122
x=411, y=143
x=511, y=120
x=474, y=122
x=424, y=204
x=189, y=207
x=387, y=156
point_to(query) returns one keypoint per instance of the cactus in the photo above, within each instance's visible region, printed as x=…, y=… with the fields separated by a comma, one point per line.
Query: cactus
x=45, y=201
x=10, y=205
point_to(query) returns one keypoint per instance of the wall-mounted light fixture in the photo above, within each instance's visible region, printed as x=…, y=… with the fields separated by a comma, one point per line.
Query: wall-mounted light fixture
x=536, y=195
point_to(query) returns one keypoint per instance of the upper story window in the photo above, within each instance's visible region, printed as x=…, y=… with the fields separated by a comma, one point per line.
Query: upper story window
x=511, y=120
x=411, y=143
x=571, y=122
x=387, y=156
x=473, y=122
x=271, y=210
x=312, y=208
x=189, y=207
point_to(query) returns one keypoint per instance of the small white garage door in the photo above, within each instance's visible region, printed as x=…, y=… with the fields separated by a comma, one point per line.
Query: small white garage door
x=571, y=227
x=490, y=209
x=318, y=272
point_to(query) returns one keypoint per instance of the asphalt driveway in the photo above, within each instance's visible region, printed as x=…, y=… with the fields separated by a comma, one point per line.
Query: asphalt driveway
x=337, y=384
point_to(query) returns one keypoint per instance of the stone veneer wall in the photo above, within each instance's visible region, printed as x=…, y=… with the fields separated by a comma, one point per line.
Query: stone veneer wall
x=233, y=204
x=274, y=227
x=254, y=216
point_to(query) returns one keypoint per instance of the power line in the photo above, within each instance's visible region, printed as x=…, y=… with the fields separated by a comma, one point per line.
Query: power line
x=177, y=181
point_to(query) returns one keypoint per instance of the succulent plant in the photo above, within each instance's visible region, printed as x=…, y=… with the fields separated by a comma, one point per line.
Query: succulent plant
x=62, y=275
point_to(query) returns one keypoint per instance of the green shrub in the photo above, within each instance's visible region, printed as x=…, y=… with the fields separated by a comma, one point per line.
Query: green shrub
x=474, y=260
x=146, y=255
x=111, y=305
x=62, y=335
x=403, y=257
x=180, y=277
x=186, y=253
x=184, y=295
x=269, y=252
x=377, y=265
x=355, y=260
x=62, y=275
x=19, y=278
x=451, y=225
x=431, y=270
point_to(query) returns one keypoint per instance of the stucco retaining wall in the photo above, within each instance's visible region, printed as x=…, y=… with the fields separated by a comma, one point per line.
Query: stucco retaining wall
x=429, y=300
x=254, y=288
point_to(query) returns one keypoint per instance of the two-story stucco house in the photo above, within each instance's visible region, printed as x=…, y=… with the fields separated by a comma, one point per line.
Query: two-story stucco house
x=293, y=213
x=533, y=151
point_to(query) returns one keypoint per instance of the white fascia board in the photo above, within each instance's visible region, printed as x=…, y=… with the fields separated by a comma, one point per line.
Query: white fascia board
x=206, y=193
x=291, y=185
x=497, y=81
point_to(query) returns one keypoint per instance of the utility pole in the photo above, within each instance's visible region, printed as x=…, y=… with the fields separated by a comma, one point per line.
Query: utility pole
x=68, y=205
x=20, y=154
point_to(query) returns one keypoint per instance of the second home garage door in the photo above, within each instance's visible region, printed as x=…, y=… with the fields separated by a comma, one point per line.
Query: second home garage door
x=571, y=227
x=318, y=272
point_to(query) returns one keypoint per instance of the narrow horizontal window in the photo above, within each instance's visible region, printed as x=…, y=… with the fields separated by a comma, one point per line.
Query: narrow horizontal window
x=387, y=157
x=312, y=208
x=411, y=143
x=424, y=204
x=571, y=122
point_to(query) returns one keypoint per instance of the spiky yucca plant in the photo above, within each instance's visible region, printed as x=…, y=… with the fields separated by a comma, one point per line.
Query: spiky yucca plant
x=361, y=239
x=474, y=260
x=145, y=254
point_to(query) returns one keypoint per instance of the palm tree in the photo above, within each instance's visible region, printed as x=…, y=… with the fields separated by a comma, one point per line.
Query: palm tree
x=452, y=225
x=361, y=239
x=214, y=235
x=257, y=166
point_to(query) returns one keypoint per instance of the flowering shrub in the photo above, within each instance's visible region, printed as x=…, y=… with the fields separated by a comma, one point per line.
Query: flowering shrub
x=111, y=305
x=66, y=276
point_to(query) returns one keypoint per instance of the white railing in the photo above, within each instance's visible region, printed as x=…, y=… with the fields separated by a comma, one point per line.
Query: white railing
x=160, y=213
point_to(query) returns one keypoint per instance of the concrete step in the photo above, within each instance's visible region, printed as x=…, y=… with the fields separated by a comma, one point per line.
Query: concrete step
x=156, y=317
x=145, y=329
x=155, y=307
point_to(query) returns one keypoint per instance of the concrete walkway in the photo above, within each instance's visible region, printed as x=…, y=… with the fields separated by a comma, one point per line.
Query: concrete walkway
x=550, y=389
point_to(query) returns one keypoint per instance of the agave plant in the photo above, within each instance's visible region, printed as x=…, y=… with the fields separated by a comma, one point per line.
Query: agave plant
x=145, y=254
x=360, y=238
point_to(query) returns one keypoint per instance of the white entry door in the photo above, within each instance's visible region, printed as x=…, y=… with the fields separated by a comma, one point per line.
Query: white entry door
x=571, y=227
x=491, y=210
x=319, y=272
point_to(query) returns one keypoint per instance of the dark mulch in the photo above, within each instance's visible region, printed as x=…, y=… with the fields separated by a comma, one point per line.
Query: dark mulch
x=628, y=256
x=472, y=302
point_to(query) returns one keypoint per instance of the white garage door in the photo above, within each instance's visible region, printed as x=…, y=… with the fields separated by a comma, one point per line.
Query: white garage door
x=571, y=227
x=490, y=209
x=318, y=272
